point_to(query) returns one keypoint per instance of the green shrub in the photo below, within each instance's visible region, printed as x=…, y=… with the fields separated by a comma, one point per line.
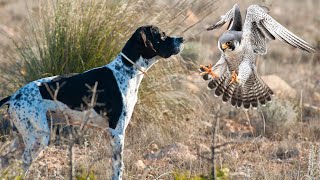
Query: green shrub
x=186, y=175
x=86, y=176
x=221, y=174
x=69, y=36
x=280, y=115
x=13, y=172
x=72, y=36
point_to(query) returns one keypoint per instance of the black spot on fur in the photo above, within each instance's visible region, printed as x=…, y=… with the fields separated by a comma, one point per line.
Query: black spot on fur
x=117, y=67
x=74, y=90
x=18, y=96
x=115, y=157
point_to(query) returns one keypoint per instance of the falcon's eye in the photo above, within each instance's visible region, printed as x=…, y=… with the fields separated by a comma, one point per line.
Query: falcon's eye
x=228, y=43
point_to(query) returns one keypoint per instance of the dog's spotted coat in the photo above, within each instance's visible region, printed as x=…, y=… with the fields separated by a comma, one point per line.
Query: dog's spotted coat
x=117, y=88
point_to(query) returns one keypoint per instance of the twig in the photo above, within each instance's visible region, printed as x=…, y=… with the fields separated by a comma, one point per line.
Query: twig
x=86, y=118
x=163, y=174
x=70, y=155
x=215, y=129
x=301, y=105
x=311, y=106
x=90, y=106
x=264, y=122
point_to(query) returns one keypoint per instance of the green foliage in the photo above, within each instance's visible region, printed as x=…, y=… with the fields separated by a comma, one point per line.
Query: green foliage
x=87, y=176
x=221, y=174
x=72, y=36
x=8, y=174
x=69, y=36
x=280, y=115
x=186, y=175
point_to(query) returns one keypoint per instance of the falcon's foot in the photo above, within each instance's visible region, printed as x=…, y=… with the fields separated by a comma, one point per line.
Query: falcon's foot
x=207, y=70
x=234, y=78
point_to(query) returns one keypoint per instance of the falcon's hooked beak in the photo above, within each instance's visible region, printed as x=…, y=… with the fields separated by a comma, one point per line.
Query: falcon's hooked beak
x=224, y=46
x=230, y=45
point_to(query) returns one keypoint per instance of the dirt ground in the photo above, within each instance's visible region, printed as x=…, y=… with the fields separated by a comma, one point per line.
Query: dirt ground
x=280, y=141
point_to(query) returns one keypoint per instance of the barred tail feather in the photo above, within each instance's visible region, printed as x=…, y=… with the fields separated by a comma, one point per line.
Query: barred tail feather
x=228, y=92
x=262, y=91
x=236, y=99
x=246, y=99
x=216, y=82
x=221, y=86
x=253, y=96
x=268, y=92
x=253, y=92
x=248, y=91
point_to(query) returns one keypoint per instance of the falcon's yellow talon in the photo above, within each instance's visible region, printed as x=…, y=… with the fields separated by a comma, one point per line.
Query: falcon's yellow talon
x=234, y=78
x=208, y=70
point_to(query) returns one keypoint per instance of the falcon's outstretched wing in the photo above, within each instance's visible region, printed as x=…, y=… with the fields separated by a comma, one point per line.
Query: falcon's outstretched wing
x=234, y=16
x=259, y=25
x=234, y=76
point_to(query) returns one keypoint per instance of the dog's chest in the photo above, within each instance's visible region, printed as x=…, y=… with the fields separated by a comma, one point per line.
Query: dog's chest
x=128, y=88
x=128, y=81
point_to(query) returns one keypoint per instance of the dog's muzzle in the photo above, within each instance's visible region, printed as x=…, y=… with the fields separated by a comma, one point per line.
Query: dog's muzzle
x=178, y=44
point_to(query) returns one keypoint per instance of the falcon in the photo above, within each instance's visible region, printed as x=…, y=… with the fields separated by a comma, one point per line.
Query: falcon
x=234, y=76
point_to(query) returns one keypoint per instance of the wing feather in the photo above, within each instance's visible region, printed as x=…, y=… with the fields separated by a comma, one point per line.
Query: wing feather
x=258, y=17
x=234, y=16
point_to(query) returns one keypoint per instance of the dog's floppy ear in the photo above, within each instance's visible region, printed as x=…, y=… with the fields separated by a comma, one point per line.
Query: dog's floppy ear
x=146, y=42
x=139, y=45
x=133, y=48
x=143, y=37
x=151, y=45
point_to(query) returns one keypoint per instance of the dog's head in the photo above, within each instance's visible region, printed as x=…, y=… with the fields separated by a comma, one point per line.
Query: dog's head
x=149, y=42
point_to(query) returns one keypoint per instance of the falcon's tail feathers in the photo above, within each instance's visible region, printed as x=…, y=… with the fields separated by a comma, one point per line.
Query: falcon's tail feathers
x=236, y=99
x=249, y=95
x=258, y=91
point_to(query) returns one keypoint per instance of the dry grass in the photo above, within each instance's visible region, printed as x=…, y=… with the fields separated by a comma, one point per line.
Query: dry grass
x=282, y=141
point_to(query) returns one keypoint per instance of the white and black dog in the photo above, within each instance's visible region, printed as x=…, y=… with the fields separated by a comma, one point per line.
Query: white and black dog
x=116, y=95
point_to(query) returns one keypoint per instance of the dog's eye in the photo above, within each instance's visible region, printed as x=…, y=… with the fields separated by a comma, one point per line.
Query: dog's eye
x=163, y=36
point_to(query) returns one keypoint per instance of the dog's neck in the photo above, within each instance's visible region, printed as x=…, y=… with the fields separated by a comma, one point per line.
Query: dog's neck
x=130, y=75
x=126, y=58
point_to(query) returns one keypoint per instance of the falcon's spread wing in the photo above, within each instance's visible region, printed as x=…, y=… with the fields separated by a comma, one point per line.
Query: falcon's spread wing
x=258, y=26
x=247, y=88
x=234, y=16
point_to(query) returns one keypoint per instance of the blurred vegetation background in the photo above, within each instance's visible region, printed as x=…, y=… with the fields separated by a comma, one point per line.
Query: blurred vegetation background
x=175, y=112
